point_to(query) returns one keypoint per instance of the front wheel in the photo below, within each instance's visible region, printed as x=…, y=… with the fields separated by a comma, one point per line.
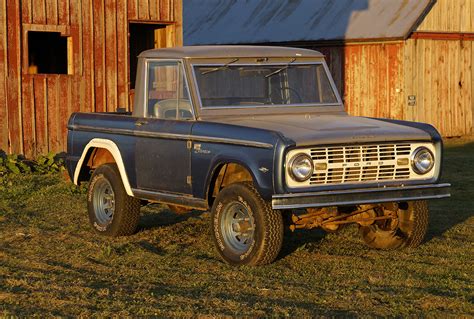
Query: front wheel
x=246, y=230
x=112, y=211
x=408, y=230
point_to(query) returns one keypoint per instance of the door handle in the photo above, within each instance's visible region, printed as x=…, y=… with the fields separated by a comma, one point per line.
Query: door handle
x=141, y=122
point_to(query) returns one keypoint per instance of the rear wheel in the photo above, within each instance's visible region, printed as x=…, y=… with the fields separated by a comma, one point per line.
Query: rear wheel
x=111, y=211
x=408, y=230
x=246, y=230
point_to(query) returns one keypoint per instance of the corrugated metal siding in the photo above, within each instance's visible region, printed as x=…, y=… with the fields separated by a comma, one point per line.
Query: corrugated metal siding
x=34, y=108
x=450, y=16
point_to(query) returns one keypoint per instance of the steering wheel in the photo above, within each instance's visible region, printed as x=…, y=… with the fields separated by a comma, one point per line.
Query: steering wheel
x=290, y=89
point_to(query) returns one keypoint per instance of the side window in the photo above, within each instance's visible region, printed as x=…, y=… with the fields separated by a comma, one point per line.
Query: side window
x=168, y=96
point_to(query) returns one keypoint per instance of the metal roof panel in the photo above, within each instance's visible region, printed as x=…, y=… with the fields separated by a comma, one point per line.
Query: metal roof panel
x=261, y=21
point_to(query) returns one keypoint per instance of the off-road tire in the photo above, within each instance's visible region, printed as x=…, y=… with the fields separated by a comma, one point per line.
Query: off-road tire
x=127, y=209
x=411, y=230
x=268, y=227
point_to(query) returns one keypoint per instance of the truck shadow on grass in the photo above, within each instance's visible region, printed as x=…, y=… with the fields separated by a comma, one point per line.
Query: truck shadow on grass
x=156, y=215
x=458, y=170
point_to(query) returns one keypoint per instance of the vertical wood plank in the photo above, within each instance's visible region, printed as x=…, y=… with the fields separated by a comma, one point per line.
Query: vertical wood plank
x=439, y=88
x=428, y=102
x=154, y=9
x=51, y=12
x=466, y=84
x=99, y=56
x=355, y=52
x=416, y=75
x=363, y=60
x=122, y=54
x=132, y=9
x=381, y=81
x=472, y=88
x=178, y=19
x=420, y=98
x=3, y=78
x=143, y=10
x=392, y=66
x=346, y=77
x=41, y=111
x=88, y=56
x=63, y=111
x=14, y=79
x=471, y=18
x=449, y=16
x=111, y=54
x=39, y=11
x=26, y=12
x=370, y=91
x=63, y=12
x=28, y=114
x=76, y=34
x=409, y=79
x=164, y=10
x=53, y=113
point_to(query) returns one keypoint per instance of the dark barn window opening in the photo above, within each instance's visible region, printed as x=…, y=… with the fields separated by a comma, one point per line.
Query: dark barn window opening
x=142, y=36
x=47, y=53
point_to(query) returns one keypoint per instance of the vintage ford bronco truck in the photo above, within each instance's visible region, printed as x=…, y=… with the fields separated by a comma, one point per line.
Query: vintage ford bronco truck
x=259, y=136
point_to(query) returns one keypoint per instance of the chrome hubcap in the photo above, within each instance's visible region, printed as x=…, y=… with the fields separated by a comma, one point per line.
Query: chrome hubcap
x=237, y=227
x=104, y=201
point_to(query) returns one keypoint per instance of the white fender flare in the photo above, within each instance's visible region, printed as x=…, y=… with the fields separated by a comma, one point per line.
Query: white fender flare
x=114, y=150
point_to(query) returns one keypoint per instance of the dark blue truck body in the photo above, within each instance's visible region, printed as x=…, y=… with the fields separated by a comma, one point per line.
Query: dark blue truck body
x=175, y=161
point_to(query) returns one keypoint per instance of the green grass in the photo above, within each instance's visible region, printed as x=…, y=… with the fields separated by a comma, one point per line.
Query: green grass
x=51, y=263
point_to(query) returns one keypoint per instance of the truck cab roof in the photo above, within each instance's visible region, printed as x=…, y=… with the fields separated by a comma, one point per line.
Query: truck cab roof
x=229, y=51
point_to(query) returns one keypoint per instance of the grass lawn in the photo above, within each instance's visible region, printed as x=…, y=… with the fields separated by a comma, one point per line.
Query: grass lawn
x=51, y=263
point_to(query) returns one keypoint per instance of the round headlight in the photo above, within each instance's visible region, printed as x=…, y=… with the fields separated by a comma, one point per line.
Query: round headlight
x=422, y=160
x=300, y=167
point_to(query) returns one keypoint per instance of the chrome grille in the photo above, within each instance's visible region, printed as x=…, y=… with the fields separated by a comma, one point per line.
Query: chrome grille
x=360, y=163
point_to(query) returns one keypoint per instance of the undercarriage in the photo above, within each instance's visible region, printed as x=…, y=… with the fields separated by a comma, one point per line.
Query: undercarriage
x=332, y=218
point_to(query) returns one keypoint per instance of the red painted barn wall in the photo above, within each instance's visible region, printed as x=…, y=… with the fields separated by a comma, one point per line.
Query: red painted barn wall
x=34, y=108
x=379, y=79
x=369, y=77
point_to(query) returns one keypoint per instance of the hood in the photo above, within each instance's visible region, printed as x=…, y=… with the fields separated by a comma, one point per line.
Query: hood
x=314, y=129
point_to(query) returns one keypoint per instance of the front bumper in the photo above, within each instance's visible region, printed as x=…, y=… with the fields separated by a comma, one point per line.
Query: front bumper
x=360, y=196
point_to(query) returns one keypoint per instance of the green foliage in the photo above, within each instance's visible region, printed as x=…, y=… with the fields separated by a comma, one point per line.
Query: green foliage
x=15, y=164
x=49, y=163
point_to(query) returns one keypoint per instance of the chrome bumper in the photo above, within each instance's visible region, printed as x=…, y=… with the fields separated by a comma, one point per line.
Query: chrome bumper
x=360, y=196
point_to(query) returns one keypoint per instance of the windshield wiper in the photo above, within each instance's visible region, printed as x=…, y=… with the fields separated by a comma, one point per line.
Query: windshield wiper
x=281, y=69
x=225, y=66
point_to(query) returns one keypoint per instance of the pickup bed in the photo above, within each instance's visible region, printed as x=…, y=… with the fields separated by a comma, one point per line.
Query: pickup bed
x=259, y=136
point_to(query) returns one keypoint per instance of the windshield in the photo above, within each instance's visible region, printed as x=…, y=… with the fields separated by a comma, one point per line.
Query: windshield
x=229, y=85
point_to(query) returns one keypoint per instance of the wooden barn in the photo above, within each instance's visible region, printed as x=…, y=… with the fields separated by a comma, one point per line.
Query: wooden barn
x=63, y=56
x=404, y=59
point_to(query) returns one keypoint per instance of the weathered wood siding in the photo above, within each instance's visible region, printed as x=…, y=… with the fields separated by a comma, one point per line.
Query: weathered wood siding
x=369, y=77
x=450, y=16
x=376, y=80
x=34, y=108
x=439, y=73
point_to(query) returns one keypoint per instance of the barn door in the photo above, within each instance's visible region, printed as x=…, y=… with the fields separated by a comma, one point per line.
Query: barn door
x=146, y=36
